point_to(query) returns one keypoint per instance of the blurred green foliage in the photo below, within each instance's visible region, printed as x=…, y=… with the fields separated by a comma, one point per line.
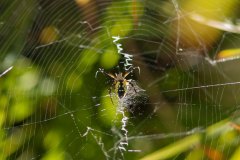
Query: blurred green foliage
x=53, y=107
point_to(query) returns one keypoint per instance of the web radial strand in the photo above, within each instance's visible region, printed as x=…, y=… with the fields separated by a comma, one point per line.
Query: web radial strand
x=71, y=86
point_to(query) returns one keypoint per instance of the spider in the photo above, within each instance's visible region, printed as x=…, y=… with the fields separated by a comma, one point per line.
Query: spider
x=120, y=84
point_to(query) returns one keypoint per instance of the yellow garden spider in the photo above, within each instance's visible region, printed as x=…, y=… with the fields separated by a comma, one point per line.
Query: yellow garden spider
x=120, y=84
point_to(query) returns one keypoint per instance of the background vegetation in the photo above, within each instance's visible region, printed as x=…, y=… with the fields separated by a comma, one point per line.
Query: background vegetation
x=53, y=107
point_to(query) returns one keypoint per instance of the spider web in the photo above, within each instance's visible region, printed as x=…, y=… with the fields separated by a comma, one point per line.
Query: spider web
x=183, y=104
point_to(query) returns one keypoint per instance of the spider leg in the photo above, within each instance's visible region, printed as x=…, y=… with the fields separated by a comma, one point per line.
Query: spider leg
x=111, y=76
x=131, y=69
x=105, y=73
x=6, y=71
x=100, y=70
x=110, y=92
x=132, y=85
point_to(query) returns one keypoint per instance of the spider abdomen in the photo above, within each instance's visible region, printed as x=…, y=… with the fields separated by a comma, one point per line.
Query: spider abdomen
x=121, y=89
